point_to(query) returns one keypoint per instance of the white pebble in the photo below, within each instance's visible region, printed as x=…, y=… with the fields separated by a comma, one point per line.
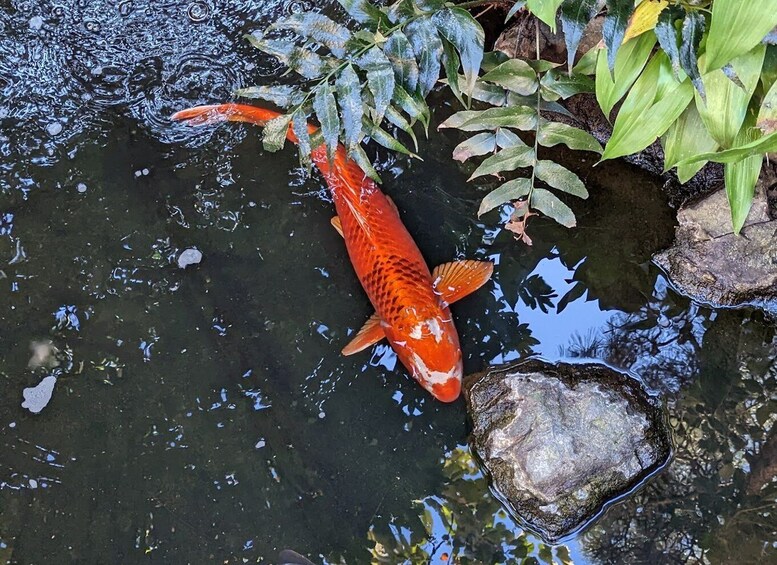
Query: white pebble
x=54, y=128
x=189, y=256
x=81, y=187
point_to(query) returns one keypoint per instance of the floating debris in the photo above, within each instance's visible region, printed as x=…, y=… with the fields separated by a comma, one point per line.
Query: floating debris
x=189, y=256
x=37, y=398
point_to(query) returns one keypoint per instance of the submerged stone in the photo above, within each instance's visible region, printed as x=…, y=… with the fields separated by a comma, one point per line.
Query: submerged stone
x=561, y=441
x=709, y=263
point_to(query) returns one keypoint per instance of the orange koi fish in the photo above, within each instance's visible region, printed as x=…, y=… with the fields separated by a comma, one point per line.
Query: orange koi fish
x=411, y=304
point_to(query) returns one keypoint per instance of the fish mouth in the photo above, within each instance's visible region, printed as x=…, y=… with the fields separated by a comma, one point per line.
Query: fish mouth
x=445, y=386
x=449, y=391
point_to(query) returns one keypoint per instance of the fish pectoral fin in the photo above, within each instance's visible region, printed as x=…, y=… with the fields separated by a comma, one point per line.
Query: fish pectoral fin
x=337, y=224
x=455, y=280
x=370, y=334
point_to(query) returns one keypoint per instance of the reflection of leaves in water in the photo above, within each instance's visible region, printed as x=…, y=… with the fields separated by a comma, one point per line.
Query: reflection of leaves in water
x=461, y=524
x=712, y=504
x=587, y=345
x=536, y=293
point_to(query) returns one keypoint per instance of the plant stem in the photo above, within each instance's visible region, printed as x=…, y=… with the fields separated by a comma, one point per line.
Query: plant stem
x=537, y=127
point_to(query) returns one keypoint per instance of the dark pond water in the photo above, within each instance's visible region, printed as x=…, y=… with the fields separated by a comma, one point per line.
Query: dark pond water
x=205, y=415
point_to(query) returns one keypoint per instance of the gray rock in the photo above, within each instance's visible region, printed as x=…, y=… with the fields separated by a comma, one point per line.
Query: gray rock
x=188, y=257
x=710, y=264
x=562, y=441
x=36, y=398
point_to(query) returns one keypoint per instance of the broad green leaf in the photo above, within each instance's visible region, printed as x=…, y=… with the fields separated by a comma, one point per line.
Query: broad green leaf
x=478, y=144
x=450, y=62
x=644, y=18
x=685, y=138
x=300, y=124
x=740, y=178
x=545, y=105
x=380, y=79
x=281, y=95
x=317, y=27
x=509, y=191
x=767, y=115
x=554, y=133
x=493, y=59
x=395, y=117
x=561, y=178
x=737, y=26
x=505, y=138
x=515, y=75
x=669, y=35
x=655, y=101
x=361, y=159
x=629, y=63
x=587, y=63
x=565, y=85
x=509, y=159
x=303, y=61
x=399, y=51
x=382, y=137
x=614, y=28
x=463, y=32
x=492, y=94
x=349, y=99
x=274, y=134
x=545, y=10
x=726, y=105
x=766, y=144
x=514, y=10
x=428, y=49
x=460, y=118
x=518, y=117
x=693, y=29
x=575, y=15
x=769, y=70
x=325, y=106
x=541, y=65
x=362, y=11
x=547, y=203
x=400, y=10
x=415, y=107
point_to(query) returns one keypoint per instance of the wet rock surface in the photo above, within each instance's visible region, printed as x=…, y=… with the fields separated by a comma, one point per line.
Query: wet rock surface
x=709, y=263
x=561, y=441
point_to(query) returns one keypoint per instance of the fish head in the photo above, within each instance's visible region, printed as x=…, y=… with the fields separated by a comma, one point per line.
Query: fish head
x=429, y=348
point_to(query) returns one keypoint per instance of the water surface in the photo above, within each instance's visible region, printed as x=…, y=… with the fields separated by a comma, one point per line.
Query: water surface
x=206, y=415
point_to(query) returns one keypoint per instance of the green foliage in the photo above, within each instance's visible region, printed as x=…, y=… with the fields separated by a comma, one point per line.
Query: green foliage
x=708, y=93
x=358, y=79
x=508, y=152
x=717, y=46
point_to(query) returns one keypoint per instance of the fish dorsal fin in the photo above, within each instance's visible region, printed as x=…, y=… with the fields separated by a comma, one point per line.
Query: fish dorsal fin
x=453, y=281
x=370, y=334
x=337, y=224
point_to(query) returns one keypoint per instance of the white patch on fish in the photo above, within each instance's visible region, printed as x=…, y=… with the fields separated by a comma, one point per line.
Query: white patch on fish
x=429, y=378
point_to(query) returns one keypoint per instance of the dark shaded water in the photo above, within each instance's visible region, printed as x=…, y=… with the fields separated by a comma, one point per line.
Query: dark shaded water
x=205, y=414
